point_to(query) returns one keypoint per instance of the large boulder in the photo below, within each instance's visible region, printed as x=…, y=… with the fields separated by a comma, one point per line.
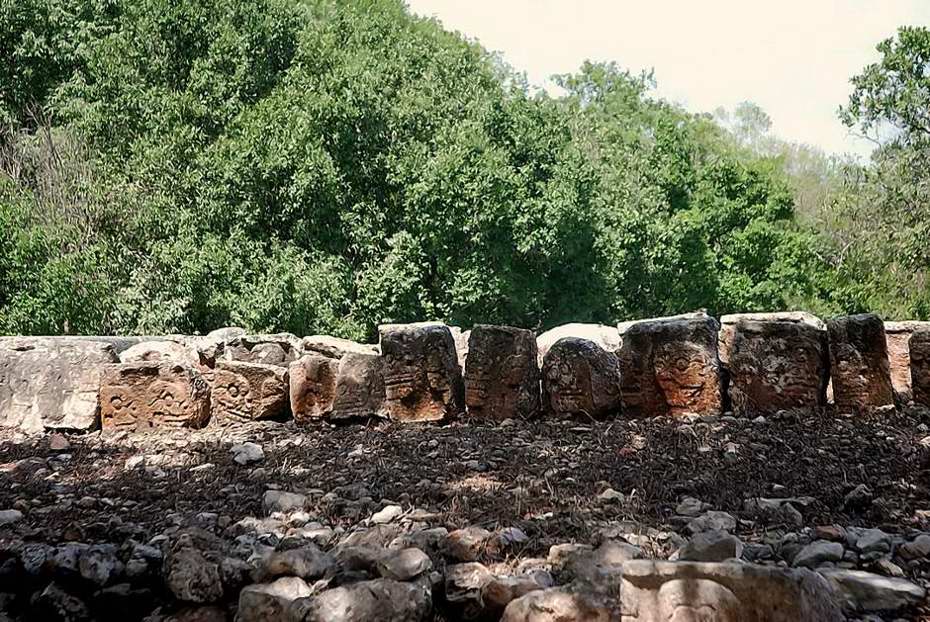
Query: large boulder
x=897, y=338
x=422, y=378
x=775, y=365
x=656, y=591
x=248, y=392
x=501, y=373
x=670, y=367
x=728, y=324
x=561, y=604
x=312, y=380
x=359, y=390
x=919, y=346
x=273, y=349
x=264, y=602
x=865, y=591
x=580, y=378
x=51, y=382
x=151, y=394
x=859, y=364
x=605, y=337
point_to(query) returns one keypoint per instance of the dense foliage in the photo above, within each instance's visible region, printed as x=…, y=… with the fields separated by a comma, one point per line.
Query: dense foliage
x=320, y=166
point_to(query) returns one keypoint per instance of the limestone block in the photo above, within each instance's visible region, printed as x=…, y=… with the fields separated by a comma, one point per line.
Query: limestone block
x=728, y=325
x=501, y=373
x=919, y=346
x=580, y=377
x=670, y=367
x=775, y=365
x=336, y=347
x=605, y=337
x=248, y=391
x=897, y=338
x=277, y=349
x=312, y=386
x=859, y=364
x=422, y=378
x=151, y=394
x=359, y=387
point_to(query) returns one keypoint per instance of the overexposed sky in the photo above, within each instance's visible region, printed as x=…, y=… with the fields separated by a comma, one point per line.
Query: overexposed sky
x=792, y=57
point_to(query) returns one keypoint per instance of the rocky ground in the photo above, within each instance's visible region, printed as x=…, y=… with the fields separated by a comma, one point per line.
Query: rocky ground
x=111, y=526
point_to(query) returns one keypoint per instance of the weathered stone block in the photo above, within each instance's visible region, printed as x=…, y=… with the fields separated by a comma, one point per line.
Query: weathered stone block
x=580, y=377
x=728, y=326
x=174, y=350
x=359, y=387
x=336, y=347
x=422, y=378
x=859, y=364
x=248, y=392
x=775, y=366
x=312, y=386
x=724, y=592
x=277, y=349
x=897, y=338
x=919, y=346
x=151, y=394
x=51, y=382
x=501, y=373
x=670, y=367
x=605, y=337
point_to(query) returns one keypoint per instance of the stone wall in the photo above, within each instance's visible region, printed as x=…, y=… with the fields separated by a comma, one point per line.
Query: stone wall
x=751, y=364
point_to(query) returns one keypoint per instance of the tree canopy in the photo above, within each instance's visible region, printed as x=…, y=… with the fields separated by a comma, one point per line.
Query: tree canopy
x=321, y=166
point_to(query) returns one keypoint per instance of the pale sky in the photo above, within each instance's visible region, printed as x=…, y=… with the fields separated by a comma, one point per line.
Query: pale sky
x=792, y=57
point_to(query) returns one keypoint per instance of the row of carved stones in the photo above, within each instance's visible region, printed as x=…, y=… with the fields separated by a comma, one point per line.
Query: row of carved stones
x=663, y=367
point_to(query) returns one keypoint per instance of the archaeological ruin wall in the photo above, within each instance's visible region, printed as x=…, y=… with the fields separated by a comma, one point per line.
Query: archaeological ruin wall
x=750, y=365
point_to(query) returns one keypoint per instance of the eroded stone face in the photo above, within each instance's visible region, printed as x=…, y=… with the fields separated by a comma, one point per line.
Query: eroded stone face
x=723, y=592
x=670, y=367
x=248, y=391
x=919, y=346
x=728, y=326
x=501, y=373
x=607, y=337
x=422, y=378
x=777, y=366
x=859, y=364
x=51, y=382
x=152, y=394
x=312, y=381
x=580, y=377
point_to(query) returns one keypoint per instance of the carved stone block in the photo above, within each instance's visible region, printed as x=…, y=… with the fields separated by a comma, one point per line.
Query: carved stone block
x=656, y=591
x=897, y=338
x=359, y=387
x=248, y=391
x=312, y=380
x=728, y=326
x=859, y=364
x=501, y=373
x=580, y=378
x=152, y=394
x=336, y=347
x=919, y=346
x=777, y=366
x=52, y=382
x=422, y=378
x=607, y=337
x=670, y=367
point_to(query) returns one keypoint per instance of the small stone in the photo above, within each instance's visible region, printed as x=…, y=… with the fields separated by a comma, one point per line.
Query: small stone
x=834, y=533
x=307, y=562
x=386, y=515
x=270, y=601
x=469, y=544
x=404, y=565
x=818, y=553
x=58, y=442
x=366, y=601
x=711, y=546
x=247, y=453
x=611, y=496
x=712, y=520
x=874, y=541
x=858, y=497
x=918, y=548
x=280, y=501
x=690, y=506
x=134, y=462
x=557, y=604
x=99, y=565
x=8, y=517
